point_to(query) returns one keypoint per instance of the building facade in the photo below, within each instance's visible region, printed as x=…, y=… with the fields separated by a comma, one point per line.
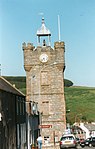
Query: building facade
x=12, y=117
x=44, y=68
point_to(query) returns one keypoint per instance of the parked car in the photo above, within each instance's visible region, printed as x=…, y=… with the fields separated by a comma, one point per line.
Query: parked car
x=87, y=141
x=82, y=142
x=92, y=142
x=68, y=141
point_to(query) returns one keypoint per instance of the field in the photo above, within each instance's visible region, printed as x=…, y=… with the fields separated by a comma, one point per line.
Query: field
x=79, y=100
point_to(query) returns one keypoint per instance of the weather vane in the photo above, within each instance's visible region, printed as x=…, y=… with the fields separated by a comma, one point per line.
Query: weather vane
x=41, y=14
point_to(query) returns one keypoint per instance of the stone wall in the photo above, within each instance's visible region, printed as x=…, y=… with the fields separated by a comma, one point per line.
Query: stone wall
x=45, y=85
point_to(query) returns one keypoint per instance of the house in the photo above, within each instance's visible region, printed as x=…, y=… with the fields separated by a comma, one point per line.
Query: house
x=91, y=128
x=84, y=130
x=12, y=117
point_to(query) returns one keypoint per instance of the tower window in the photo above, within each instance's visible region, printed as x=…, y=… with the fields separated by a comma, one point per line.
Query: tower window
x=45, y=107
x=44, y=78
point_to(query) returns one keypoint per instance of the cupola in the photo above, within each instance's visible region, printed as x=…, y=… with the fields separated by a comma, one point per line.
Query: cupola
x=43, y=32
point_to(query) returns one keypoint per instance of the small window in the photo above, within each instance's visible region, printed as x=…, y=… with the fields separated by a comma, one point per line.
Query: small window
x=45, y=107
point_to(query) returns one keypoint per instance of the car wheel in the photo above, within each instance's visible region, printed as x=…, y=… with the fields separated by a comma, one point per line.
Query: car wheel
x=90, y=145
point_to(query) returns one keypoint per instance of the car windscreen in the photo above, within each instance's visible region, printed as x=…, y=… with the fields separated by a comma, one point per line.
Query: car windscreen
x=67, y=138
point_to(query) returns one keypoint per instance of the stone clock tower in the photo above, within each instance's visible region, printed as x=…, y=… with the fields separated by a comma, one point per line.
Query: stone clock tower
x=44, y=68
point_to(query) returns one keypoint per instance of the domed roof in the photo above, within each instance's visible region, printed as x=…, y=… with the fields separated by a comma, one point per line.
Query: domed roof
x=43, y=31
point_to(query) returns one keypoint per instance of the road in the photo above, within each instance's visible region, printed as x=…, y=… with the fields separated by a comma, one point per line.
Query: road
x=79, y=147
x=86, y=147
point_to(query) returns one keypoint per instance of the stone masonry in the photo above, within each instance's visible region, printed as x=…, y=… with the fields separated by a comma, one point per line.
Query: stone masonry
x=45, y=85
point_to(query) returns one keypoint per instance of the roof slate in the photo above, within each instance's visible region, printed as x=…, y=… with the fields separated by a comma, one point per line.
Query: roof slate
x=8, y=87
x=90, y=126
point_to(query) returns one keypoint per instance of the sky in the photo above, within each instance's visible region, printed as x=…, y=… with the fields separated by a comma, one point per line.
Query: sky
x=20, y=20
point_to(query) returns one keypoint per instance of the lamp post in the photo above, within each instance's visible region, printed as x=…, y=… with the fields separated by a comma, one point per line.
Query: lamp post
x=30, y=115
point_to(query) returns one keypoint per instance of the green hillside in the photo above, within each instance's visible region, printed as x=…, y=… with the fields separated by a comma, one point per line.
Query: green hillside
x=80, y=100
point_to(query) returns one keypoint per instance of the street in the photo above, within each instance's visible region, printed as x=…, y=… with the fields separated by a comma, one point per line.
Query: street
x=79, y=147
x=86, y=147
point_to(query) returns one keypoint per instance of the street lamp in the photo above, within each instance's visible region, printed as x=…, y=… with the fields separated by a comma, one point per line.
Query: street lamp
x=67, y=111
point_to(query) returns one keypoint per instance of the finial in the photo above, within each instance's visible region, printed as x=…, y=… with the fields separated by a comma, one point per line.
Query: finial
x=43, y=20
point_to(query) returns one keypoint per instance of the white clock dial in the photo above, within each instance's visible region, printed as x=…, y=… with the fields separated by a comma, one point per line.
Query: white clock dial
x=43, y=58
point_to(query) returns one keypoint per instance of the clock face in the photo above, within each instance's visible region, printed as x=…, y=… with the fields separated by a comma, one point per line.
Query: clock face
x=43, y=58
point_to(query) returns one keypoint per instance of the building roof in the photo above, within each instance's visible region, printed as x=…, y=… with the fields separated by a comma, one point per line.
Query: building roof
x=8, y=87
x=90, y=126
x=43, y=31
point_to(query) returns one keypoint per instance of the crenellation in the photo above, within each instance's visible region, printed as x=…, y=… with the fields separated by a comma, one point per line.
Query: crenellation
x=58, y=45
x=28, y=46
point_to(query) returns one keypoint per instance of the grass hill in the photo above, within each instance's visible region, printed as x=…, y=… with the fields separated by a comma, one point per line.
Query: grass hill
x=80, y=100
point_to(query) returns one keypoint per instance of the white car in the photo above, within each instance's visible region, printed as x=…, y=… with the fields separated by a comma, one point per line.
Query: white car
x=67, y=141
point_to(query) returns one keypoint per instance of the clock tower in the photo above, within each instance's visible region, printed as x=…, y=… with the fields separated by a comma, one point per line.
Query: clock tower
x=44, y=68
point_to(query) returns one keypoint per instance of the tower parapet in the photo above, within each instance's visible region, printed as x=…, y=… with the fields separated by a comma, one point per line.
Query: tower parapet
x=59, y=45
x=60, y=53
x=27, y=49
x=28, y=46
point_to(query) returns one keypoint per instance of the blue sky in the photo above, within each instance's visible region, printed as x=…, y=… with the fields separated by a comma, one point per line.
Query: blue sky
x=20, y=19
